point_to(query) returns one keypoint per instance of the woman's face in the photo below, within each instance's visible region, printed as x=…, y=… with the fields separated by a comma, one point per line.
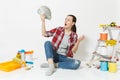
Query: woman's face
x=69, y=22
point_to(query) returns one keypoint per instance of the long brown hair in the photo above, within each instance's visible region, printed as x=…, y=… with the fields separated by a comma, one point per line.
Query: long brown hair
x=74, y=20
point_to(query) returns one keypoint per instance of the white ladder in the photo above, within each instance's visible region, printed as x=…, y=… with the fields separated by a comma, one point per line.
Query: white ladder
x=115, y=51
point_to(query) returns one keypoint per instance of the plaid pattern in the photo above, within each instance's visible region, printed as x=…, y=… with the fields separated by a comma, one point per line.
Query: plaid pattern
x=58, y=34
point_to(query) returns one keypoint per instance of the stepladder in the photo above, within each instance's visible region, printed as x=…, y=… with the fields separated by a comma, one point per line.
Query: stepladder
x=108, y=46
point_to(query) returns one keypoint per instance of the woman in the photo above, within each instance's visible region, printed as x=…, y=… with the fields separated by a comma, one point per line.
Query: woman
x=65, y=42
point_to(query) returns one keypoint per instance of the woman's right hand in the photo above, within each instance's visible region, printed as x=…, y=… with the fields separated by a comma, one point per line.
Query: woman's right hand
x=42, y=16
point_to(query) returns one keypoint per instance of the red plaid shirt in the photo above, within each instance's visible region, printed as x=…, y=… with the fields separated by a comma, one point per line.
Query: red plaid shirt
x=58, y=34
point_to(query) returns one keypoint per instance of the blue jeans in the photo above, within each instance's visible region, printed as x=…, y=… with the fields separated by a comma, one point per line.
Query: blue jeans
x=63, y=61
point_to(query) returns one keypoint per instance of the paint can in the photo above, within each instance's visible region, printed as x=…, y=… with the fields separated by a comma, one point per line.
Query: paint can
x=103, y=36
x=103, y=50
x=22, y=53
x=29, y=57
x=104, y=65
x=112, y=67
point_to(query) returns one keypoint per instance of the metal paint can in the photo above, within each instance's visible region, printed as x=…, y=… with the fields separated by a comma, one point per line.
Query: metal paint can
x=103, y=36
x=22, y=53
x=104, y=65
x=112, y=67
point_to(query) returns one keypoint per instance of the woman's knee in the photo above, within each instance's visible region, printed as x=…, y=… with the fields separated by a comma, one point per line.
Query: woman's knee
x=47, y=43
x=76, y=64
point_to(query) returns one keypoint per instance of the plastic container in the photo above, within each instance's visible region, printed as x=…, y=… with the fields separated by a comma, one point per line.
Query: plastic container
x=9, y=66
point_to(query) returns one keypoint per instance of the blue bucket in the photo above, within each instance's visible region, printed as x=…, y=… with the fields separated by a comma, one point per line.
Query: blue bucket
x=104, y=65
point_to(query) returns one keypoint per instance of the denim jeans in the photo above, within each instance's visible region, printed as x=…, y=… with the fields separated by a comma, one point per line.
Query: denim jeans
x=63, y=61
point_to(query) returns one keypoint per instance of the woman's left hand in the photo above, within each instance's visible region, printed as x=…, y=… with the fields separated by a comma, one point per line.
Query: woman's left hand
x=74, y=49
x=81, y=38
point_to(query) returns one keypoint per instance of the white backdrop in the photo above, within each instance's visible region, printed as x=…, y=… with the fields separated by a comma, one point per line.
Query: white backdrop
x=20, y=25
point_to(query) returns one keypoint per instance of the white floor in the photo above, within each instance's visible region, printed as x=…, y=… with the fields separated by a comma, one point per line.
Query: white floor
x=37, y=73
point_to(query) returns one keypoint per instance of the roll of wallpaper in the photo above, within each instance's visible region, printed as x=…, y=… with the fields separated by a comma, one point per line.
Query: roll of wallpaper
x=46, y=11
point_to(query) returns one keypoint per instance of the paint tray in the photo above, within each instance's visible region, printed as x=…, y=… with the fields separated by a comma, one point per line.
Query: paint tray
x=9, y=66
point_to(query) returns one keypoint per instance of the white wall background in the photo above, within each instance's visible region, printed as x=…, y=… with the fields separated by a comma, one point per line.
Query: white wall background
x=20, y=25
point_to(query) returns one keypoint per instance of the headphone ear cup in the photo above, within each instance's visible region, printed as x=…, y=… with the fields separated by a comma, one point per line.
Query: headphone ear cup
x=46, y=11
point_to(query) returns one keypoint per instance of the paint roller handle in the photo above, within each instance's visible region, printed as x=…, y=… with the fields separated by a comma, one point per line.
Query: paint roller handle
x=42, y=16
x=43, y=30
